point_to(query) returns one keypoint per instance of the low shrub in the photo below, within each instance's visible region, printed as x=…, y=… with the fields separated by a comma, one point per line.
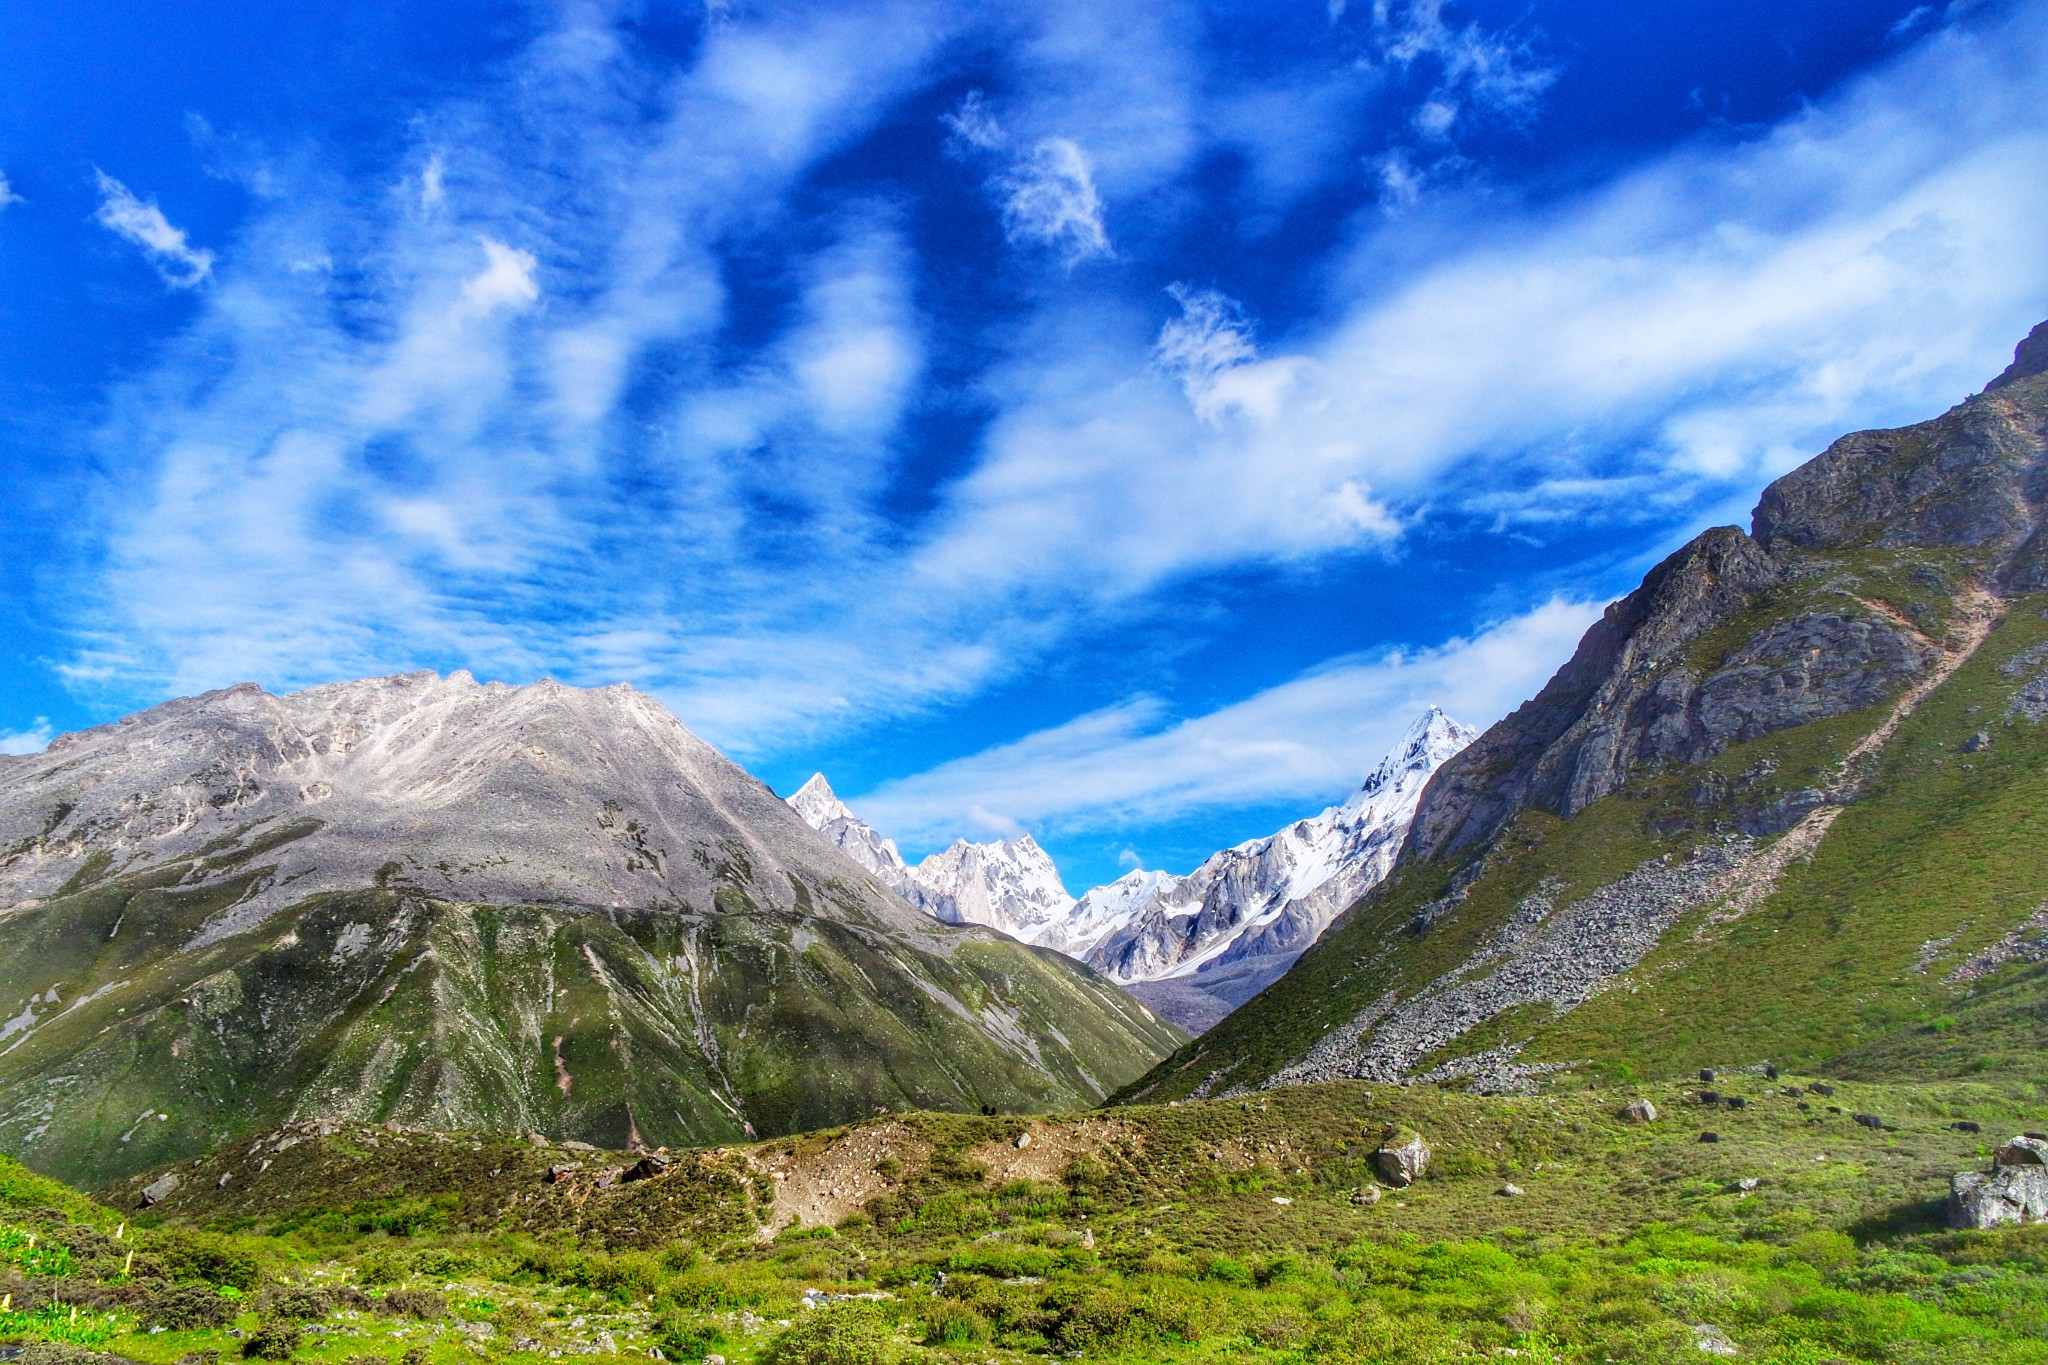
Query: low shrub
x=186, y=1307
x=273, y=1339
x=858, y=1333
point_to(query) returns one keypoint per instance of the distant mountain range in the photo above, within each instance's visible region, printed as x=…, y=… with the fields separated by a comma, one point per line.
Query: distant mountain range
x=1193, y=947
x=460, y=905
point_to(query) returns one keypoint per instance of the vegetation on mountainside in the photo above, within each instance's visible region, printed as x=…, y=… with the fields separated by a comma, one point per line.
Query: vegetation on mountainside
x=599, y=1025
x=1219, y=1231
x=1944, y=849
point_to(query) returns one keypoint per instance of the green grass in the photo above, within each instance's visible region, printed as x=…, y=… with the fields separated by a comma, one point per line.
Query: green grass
x=1204, y=1232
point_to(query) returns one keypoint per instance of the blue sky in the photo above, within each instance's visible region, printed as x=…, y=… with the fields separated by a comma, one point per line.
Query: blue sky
x=1112, y=421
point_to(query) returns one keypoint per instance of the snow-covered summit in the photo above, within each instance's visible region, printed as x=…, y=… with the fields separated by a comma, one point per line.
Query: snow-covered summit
x=1009, y=884
x=1197, y=946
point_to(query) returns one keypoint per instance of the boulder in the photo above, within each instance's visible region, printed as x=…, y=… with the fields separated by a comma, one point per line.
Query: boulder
x=2027, y=1150
x=1639, y=1111
x=2008, y=1196
x=646, y=1168
x=160, y=1189
x=1023, y=1141
x=1512, y=1191
x=1402, y=1159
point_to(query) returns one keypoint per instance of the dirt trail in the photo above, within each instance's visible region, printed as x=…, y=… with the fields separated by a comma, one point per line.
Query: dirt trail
x=1050, y=1149
x=1751, y=882
x=825, y=1181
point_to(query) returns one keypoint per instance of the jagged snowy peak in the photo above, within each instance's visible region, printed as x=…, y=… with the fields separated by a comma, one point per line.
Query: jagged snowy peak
x=1223, y=932
x=824, y=812
x=1010, y=884
x=1238, y=921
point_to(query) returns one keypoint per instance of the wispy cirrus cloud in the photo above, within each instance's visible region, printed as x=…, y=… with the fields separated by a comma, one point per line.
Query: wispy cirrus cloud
x=540, y=421
x=169, y=251
x=7, y=194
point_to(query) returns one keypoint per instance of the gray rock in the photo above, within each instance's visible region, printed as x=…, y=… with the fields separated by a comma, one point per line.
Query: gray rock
x=1512, y=1191
x=1977, y=743
x=1639, y=1111
x=1714, y=1341
x=2007, y=1196
x=1402, y=1159
x=160, y=1189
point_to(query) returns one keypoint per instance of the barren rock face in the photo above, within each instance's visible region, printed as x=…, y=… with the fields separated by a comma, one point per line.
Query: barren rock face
x=1633, y=696
x=537, y=795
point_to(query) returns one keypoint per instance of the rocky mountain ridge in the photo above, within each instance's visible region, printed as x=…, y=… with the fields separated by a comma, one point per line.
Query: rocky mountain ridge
x=1760, y=727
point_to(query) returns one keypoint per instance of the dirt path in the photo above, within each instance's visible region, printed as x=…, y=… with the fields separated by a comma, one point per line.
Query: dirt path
x=1749, y=884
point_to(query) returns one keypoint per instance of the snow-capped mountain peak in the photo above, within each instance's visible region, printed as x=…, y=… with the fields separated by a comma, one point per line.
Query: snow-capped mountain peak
x=1009, y=884
x=1194, y=947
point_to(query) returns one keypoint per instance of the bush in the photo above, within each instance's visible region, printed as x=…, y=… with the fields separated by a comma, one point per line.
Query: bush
x=423, y=1304
x=292, y=1303
x=273, y=1339
x=685, y=1336
x=379, y=1266
x=184, y=1307
x=947, y=1323
x=860, y=1333
x=206, y=1257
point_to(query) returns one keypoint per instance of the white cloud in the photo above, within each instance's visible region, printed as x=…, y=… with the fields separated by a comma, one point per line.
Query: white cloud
x=974, y=125
x=1305, y=741
x=180, y=264
x=506, y=281
x=30, y=741
x=7, y=194
x=1491, y=71
x=433, y=181
x=1049, y=199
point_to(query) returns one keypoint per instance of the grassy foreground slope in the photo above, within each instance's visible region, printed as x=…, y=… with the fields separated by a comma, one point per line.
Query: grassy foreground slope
x=1248, y=1230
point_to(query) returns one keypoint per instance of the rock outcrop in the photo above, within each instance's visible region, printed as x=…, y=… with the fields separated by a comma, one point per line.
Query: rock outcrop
x=2014, y=1192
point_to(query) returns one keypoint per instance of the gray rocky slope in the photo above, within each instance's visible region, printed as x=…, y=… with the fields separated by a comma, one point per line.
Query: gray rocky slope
x=477, y=905
x=1742, y=740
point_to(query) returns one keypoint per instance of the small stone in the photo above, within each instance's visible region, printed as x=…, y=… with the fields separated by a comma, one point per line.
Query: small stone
x=1282, y=1200
x=159, y=1189
x=578, y=1147
x=1366, y=1195
x=560, y=1171
x=1512, y=1191
x=225, y=1177
x=1744, y=1185
x=1714, y=1341
x=1710, y=1137
x=1977, y=743
x=537, y=1139
x=1639, y=1111
x=646, y=1168
x=1088, y=1238
x=1023, y=1141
